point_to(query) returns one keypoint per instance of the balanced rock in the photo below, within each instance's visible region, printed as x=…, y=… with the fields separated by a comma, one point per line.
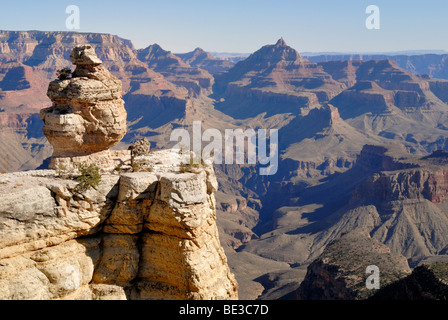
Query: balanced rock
x=88, y=114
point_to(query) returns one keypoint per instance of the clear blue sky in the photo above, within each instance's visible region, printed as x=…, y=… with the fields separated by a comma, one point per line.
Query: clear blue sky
x=245, y=25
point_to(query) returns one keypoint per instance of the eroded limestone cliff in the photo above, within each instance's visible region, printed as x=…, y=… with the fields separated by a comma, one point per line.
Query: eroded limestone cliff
x=138, y=235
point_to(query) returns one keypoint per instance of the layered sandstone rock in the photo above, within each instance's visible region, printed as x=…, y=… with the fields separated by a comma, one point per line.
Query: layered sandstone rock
x=88, y=114
x=274, y=79
x=139, y=235
x=400, y=199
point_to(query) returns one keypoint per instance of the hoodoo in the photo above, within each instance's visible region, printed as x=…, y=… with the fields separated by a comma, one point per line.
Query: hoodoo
x=88, y=114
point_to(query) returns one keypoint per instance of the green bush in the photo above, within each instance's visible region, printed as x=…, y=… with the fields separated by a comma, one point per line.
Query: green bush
x=90, y=176
x=64, y=74
x=192, y=166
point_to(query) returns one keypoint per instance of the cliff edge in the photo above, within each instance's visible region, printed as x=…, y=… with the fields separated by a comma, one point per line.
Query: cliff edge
x=108, y=224
x=137, y=235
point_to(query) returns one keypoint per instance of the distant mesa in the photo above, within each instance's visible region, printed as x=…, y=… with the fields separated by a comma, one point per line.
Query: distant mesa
x=199, y=58
x=381, y=87
x=433, y=64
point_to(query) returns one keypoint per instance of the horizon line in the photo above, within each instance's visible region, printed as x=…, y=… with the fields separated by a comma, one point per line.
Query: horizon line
x=239, y=54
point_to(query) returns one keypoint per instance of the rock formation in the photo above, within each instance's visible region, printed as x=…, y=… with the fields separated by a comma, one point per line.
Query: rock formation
x=274, y=79
x=146, y=232
x=138, y=235
x=172, y=67
x=140, y=148
x=87, y=115
x=198, y=58
x=340, y=271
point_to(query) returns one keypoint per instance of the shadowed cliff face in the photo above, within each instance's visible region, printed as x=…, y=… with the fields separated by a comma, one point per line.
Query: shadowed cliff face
x=426, y=282
x=340, y=271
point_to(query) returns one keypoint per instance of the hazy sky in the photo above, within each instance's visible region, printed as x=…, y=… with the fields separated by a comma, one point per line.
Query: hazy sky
x=245, y=25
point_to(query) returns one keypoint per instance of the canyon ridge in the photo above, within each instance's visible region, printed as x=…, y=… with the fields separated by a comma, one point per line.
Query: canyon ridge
x=361, y=148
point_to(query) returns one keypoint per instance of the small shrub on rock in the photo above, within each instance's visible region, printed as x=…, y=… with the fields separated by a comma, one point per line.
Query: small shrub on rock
x=90, y=176
x=64, y=74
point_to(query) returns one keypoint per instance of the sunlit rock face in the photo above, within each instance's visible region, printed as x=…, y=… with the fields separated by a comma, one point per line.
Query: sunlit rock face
x=88, y=114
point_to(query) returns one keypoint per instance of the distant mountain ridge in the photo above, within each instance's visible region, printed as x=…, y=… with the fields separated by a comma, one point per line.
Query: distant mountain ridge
x=434, y=65
x=204, y=60
x=387, y=53
x=274, y=73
